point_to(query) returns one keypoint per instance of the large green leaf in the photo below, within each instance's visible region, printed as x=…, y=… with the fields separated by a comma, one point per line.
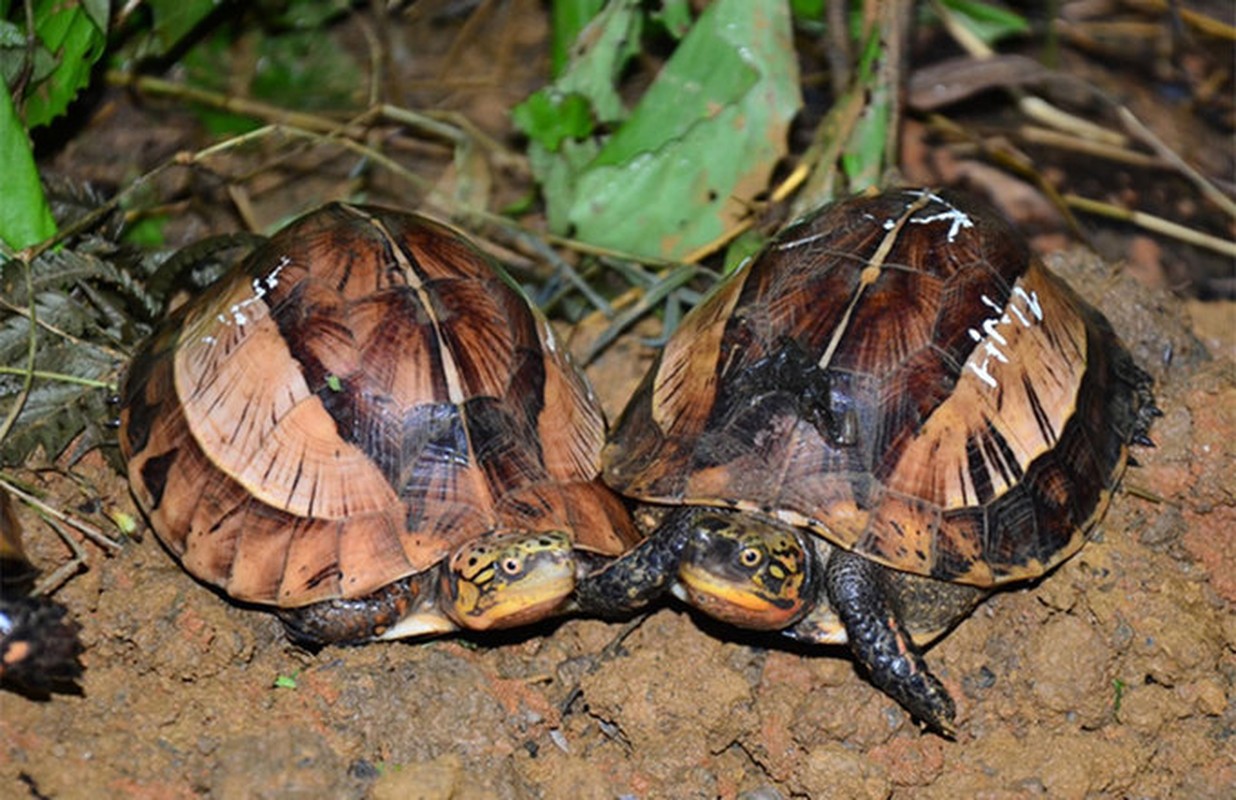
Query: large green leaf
x=24, y=215
x=702, y=142
x=70, y=34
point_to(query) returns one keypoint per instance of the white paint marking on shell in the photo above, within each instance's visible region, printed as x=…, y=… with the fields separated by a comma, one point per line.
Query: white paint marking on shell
x=261, y=287
x=1032, y=300
x=792, y=243
x=990, y=335
x=957, y=218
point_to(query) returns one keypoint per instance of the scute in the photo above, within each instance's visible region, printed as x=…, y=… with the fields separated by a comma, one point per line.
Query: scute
x=359, y=396
x=969, y=415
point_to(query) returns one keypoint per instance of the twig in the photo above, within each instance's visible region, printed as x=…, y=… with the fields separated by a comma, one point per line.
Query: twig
x=1153, y=223
x=55, y=579
x=1138, y=129
x=1065, y=141
x=1199, y=21
x=94, y=535
x=653, y=296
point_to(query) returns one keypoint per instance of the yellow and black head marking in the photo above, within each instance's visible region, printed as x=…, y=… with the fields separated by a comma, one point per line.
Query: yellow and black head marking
x=506, y=579
x=745, y=570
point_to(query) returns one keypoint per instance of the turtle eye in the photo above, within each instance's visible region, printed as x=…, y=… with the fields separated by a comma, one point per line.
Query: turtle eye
x=750, y=557
x=512, y=566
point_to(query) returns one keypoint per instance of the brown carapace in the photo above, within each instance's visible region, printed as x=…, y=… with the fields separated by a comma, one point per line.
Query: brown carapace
x=891, y=410
x=361, y=397
x=902, y=376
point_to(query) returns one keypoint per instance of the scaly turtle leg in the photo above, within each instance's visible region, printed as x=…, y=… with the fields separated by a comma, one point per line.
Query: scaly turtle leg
x=638, y=577
x=860, y=593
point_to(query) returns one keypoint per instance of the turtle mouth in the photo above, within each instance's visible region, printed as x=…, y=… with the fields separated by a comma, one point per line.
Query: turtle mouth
x=736, y=603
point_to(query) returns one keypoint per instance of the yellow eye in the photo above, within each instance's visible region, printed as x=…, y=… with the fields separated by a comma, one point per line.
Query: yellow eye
x=750, y=557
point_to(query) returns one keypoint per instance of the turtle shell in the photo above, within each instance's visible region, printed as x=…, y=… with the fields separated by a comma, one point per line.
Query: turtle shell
x=901, y=375
x=358, y=397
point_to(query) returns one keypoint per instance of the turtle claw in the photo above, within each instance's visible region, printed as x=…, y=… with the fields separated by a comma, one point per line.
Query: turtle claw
x=908, y=681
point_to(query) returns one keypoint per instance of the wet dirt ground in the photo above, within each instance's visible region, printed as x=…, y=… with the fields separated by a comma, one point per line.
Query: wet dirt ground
x=1111, y=677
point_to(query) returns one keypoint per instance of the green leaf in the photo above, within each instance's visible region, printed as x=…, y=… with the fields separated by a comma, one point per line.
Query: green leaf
x=548, y=117
x=14, y=55
x=171, y=21
x=675, y=17
x=570, y=17
x=304, y=70
x=864, y=156
x=703, y=140
x=25, y=217
x=808, y=10
x=67, y=31
x=285, y=681
x=988, y=22
x=98, y=11
x=559, y=174
x=147, y=232
x=611, y=39
x=742, y=249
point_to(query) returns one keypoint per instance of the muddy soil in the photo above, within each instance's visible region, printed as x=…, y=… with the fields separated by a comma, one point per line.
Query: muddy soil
x=1111, y=677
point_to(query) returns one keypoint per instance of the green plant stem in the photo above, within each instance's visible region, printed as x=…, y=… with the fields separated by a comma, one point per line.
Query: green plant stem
x=58, y=376
x=20, y=401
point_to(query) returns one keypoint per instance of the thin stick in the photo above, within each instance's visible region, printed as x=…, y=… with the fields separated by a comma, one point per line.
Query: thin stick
x=90, y=532
x=58, y=577
x=1153, y=223
x=1138, y=129
x=57, y=376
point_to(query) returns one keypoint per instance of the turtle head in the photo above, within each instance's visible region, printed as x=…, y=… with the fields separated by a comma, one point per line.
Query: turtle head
x=745, y=570
x=502, y=580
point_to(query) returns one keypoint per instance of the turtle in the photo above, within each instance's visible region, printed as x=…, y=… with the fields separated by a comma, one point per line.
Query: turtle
x=890, y=412
x=366, y=427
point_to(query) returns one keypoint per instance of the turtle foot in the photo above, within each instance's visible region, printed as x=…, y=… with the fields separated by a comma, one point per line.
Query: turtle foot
x=897, y=669
x=861, y=595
